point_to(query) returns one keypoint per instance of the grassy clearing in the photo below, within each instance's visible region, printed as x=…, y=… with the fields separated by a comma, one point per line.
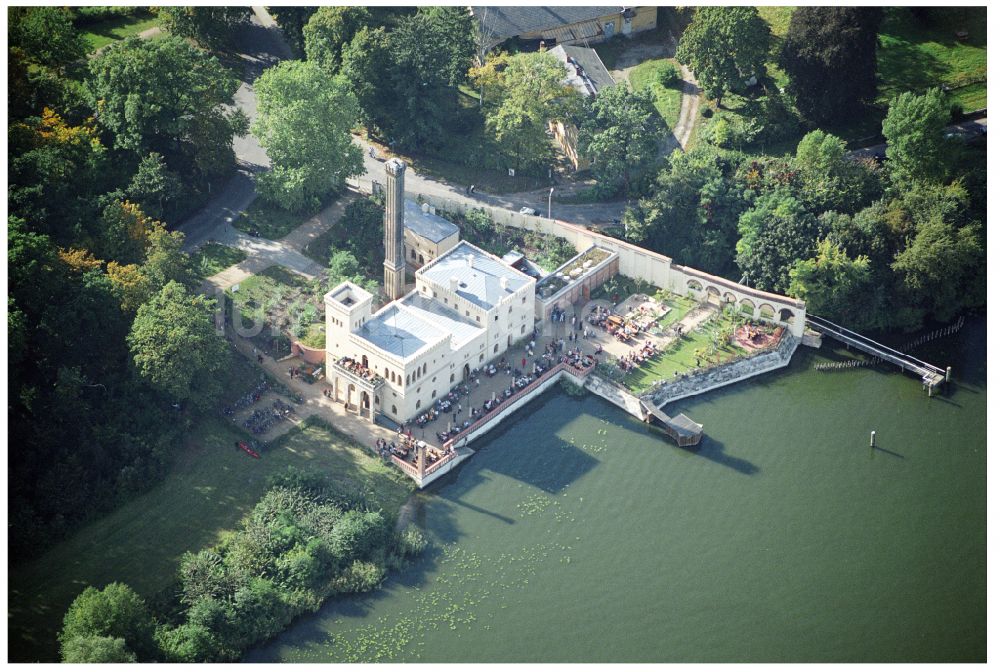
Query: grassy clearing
x=679, y=307
x=103, y=33
x=213, y=258
x=269, y=221
x=686, y=354
x=914, y=56
x=210, y=488
x=667, y=99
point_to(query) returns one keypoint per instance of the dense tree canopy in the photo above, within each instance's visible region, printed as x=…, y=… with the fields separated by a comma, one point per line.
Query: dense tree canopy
x=831, y=283
x=212, y=26
x=521, y=93
x=304, y=122
x=829, y=54
x=175, y=346
x=115, y=613
x=45, y=35
x=693, y=212
x=724, y=46
x=829, y=179
x=621, y=135
x=774, y=234
x=330, y=30
x=404, y=76
x=914, y=132
x=168, y=97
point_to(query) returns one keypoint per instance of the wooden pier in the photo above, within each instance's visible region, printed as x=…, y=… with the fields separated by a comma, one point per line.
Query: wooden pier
x=682, y=429
x=931, y=375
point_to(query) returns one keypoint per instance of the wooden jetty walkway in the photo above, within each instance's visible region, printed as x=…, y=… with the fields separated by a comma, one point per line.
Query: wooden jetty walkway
x=682, y=429
x=931, y=375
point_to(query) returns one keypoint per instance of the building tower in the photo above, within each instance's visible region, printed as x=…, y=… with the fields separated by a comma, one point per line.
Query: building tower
x=394, y=258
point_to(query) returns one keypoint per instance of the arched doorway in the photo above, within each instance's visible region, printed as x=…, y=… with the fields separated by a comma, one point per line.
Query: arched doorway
x=350, y=394
x=465, y=372
x=366, y=402
x=364, y=361
x=714, y=296
x=786, y=316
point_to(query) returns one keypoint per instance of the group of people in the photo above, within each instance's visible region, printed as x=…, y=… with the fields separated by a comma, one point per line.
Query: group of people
x=357, y=368
x=636, y=357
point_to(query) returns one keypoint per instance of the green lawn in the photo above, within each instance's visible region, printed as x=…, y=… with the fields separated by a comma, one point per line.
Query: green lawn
x=667, y=100
x=212, y=258
x=911, y=57
x=623, y=287
x=684, y=356
x=679, y=307
x=915, y=56
x=269, y=220
x=103, y=33
x=211, y=486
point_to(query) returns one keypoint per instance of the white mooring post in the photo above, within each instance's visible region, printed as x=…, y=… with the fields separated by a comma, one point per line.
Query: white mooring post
x=947, y=375
x=873, y=439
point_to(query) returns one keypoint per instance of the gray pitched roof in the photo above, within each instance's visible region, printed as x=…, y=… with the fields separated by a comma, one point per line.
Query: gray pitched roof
x=511, y=21
x=478, y=273
x=594, y=75
x=434, y=228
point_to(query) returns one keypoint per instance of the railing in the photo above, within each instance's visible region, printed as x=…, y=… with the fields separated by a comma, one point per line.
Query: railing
x=873, y=347
x=406, y=466
x=375, y=383
x=440, y=463
x=561, y=366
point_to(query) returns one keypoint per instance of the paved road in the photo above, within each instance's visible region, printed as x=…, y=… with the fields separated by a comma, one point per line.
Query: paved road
x=967, y=130
x=259, y=45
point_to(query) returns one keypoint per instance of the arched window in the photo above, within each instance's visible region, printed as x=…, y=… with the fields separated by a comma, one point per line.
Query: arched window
x=394, y=412
x=452, y=378
x=496, y=348
x=425, y=367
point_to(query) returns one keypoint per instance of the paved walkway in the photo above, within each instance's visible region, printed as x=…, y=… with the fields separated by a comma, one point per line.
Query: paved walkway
x=314, y=402
x=262, y=252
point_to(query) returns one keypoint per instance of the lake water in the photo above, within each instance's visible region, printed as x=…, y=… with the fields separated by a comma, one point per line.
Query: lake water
x=579, y=534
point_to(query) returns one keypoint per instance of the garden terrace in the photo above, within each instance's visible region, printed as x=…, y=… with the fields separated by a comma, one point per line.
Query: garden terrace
x=280, y=300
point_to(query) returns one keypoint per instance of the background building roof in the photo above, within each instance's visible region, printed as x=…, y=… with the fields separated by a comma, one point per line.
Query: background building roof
x=585, y=69
x=434, y=228
x=505, y=22
x=479, y=275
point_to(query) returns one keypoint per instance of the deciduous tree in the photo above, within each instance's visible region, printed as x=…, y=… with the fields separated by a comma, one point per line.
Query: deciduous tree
x=45, y=35
x=621, y=135
x=115, y=612
x=724, y=46
x=522, y=93
x=175, y=346
x=831, y=283
x=304, y=122
x=774, y=234
x=329, y=31
x=914, y=132
x=830, y=57
x=212, y=26
x=166, y=96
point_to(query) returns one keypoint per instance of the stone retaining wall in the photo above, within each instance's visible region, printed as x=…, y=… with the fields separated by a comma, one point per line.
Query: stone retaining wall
x=616, y=395
x=726, y=374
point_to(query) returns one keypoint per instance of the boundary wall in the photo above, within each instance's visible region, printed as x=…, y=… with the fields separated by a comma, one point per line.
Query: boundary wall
x=642, y=264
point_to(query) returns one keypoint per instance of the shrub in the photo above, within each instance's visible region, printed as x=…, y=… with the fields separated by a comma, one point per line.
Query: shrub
x=705, y=111
x=669, y=75
x=411, y=541
x=359, y=577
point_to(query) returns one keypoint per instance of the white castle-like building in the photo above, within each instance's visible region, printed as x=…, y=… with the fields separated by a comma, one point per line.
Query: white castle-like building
x=467, y=308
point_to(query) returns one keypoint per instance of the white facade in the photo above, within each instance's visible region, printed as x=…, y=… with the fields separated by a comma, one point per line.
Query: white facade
x=467, y=309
